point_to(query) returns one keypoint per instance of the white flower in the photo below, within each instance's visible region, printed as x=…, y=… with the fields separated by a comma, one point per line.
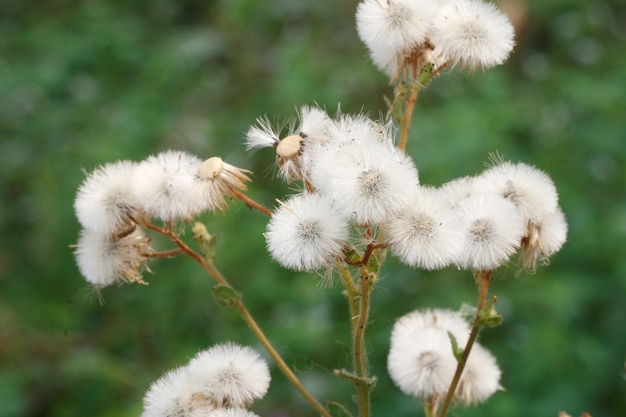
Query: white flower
x=161, y=185
x=105, y=260
x=480, y=378
x=493, y=231
x=105, y=201
x=393, y=29
x=472, y=33
x=427, y=233
x=231, y=376
x=367, y=183
x=531, y=190
x=173, y=395
x=306, y=233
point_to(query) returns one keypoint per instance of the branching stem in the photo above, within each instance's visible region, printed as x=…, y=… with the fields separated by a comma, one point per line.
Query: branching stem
x=247, y=317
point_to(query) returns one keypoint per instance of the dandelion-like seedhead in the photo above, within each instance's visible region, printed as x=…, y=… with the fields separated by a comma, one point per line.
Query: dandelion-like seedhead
x=366, y=183
x=480, y=378
x=163, y=185
x=493, y=233
x=427, y=233
x=116, y=199
x=306, y=233
x=231, y=376
x=472, y=33
x=221, y=381
x=404, y=35
x=106, y=260
x=105, y=202
x=421, y=360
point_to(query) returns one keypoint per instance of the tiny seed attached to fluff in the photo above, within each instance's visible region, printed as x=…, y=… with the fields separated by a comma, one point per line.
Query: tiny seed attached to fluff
x=289, y=147
x=211, y=168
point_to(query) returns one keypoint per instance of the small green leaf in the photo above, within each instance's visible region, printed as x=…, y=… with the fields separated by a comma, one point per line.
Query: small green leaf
x=225, y=295
x=355, y=379
x=488, y=316
x=338, y=410
x=426, y=74
x=373, y=265
x=456, y=350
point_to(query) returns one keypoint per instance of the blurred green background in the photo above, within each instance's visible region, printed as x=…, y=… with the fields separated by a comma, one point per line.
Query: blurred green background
x=83, y=83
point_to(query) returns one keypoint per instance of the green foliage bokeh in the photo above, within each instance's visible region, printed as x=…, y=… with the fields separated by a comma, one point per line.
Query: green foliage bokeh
x=83, y=83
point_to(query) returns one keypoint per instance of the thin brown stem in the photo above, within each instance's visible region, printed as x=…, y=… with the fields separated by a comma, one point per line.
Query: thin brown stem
x=251, y=203
x=164, y=254
x=408, y=115
x=483, y=279
x=245, y=314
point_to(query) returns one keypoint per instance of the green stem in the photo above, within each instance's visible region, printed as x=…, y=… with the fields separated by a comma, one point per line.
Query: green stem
x=408, y=115
x=359, y=351
x=483, y=278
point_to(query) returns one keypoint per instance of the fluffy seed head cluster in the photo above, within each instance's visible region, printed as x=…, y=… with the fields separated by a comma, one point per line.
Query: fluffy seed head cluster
x=354, y=175
x=421, y=361
x=116, y=199
x=404, y=35
x=222, y=381
x=480, y=222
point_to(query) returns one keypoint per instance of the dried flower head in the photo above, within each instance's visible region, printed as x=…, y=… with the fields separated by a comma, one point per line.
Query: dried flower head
x=229, y=375
x=161, y=184
x=480, y=378
x=105, y=202
x=306, y=233
x=427, y=233
x=216, y=180
x=295, y=150
x=366, y=183
x=105, y=260
x=420, y=360
x=396, y=32
x=472, y=33
x=493, y=230
x=173, y=395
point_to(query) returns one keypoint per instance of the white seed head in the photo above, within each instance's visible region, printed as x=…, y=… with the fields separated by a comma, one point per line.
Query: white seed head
x=231, y=376
x=173, y=395
x=306, y=233
x=162, y=184
x=480, y=378
x=530, y=189
x=472, y=33
x=427, y=233
x=366, y=183
x=105, y=260
x=493, y=231
x=105, y=201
